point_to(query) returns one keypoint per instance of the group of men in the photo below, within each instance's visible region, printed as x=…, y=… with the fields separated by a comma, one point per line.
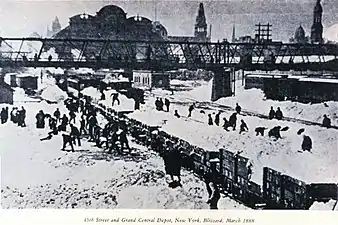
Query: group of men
x=110, y=134
x=159, y=104
x=17, y=116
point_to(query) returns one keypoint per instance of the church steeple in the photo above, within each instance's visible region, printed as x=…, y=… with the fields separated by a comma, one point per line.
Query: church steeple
x=233, y=39
x=56, y=26
x=201, y=24
x=317, y=27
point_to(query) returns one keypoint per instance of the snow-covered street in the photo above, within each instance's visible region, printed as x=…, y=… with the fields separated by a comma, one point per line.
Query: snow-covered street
x=37, y=174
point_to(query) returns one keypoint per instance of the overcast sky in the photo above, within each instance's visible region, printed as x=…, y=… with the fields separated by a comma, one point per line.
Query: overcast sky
x=22, y=17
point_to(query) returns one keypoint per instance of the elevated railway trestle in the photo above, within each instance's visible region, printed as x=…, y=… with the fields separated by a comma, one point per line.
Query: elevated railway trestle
x=167, y=55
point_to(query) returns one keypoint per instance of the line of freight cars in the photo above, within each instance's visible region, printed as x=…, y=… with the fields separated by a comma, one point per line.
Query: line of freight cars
x=304, y=89
x=278, y=191
x=75, y=84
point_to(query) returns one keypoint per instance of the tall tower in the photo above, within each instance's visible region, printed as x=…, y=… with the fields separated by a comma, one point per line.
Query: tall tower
x=201, y=24
x=233, y=39
x=317, y=27
x=56, y=26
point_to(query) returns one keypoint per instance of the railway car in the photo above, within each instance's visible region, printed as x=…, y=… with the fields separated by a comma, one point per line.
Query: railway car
x=317, y=90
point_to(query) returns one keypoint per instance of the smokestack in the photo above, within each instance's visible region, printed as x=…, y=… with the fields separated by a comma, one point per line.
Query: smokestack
x=210, y=31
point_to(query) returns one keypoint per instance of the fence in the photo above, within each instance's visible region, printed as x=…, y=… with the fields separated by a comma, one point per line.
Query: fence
x=278, y=191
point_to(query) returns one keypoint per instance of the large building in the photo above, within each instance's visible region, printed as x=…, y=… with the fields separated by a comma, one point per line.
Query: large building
x=112, y=22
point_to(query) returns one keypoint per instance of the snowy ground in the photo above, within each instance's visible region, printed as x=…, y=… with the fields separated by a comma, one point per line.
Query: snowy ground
x=319, y=166
x=37, y=174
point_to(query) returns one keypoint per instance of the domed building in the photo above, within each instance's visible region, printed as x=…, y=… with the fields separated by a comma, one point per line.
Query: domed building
x=111, y=22
x=300, y=35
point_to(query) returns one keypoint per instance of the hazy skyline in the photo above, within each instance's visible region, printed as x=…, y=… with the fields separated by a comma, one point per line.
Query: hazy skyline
x=21, y=18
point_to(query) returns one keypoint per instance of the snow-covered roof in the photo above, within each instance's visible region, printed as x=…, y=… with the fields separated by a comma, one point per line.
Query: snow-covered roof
x=265, y=75
x=321, y=80
x=25, y=75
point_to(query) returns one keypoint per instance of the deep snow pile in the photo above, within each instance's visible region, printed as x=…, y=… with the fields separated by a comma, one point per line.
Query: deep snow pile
x=53, y=94
x=88, y=178
x=92, y=92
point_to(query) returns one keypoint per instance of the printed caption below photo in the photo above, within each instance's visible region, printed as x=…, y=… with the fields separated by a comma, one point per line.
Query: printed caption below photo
x=161, y=220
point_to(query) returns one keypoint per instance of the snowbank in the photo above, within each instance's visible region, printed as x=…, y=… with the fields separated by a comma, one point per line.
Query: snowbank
x=54, y=94
x=92, y=92
x=202, y=93
x=324, y=206
x=55, y=71
x=254, y=100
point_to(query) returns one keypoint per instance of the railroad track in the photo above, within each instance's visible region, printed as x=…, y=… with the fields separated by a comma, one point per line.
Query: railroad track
x=216, y=106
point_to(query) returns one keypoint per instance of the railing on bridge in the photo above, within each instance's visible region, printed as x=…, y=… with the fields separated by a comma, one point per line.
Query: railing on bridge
x=101, y=53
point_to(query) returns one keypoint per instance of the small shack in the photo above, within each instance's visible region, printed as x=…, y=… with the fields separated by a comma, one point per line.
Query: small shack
x=148, y=79
x=27, y=82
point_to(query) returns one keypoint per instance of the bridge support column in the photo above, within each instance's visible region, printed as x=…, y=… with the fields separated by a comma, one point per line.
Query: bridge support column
x=221, y=86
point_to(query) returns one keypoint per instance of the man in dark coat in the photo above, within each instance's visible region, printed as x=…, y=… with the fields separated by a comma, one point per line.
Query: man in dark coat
x=233, y=120
x=243, y=127
x=217, y=118
x=115, y=98
x=72, y=116
x=3, y=116
x=212, y=188
x=75, y=134
x=57, y=114
x=307, y=143
x=238, y=108
x=83, y=125
x=22, y=117
x=275, y=132
x=114, y=138
x=40, y=120
x=67, y=139
x=191, y=108
x=124, y=139
x=272, y=113
x=161, y=104
x=260, y=130
x=226, y=124
x=64, y=122
x=210, y=123
x=167, y=103
x=92, y=121
x=279, y=114
x=326, y=122
x=157, y=103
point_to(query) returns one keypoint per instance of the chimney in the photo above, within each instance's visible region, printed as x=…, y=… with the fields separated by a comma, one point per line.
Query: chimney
x=210, y=31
